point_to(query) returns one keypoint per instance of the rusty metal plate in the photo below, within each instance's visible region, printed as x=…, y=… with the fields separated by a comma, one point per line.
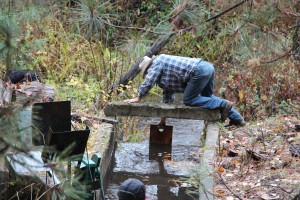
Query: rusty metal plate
x=160, y=146
x=66, y=143
x=161, y=136
x=54, y=115
x=160, y=152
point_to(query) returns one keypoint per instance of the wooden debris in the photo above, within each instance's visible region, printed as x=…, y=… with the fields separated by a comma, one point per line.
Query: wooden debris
x=26, y=93
x=6, y=90
x=34, y=92
x=228, y=163
x=297, y=127
x=295, y=150
x=255, y=156
x=232, y=153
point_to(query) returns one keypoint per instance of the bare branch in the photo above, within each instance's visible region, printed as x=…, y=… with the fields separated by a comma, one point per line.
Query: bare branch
x=214, y=17
x=237, y=196
x=134, y=70
x=22, y=190
x=134, y=28
x=158, y=45
x=275, y=59
x=266, y=185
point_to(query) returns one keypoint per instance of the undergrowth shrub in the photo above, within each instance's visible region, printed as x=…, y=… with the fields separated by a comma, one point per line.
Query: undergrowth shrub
x=129, y=131
x=241, y=44
x=262, y=90
x=82, y=71
x=249, y=48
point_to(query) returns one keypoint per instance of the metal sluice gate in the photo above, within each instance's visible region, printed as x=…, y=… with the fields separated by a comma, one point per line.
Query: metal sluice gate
x=52, y=129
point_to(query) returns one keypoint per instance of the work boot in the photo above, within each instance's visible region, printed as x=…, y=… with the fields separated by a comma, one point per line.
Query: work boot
x=236, y=123
x=225, y=109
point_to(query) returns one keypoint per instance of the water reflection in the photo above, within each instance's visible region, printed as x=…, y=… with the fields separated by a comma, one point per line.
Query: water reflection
x=161, y=184
x=160, y=167
x=160, y=152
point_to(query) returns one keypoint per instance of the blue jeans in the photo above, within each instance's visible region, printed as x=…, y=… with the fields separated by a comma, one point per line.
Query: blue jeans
x=199, y=90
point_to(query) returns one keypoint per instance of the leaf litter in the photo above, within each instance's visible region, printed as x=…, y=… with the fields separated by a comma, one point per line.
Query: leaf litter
x=259, y=160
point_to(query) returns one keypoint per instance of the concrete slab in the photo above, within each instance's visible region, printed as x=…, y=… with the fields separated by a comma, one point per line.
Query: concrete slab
x=137, y=160
x=134, y=158
x=185, y=131
x=208, y=159
x=179, y=111
x=24, y=126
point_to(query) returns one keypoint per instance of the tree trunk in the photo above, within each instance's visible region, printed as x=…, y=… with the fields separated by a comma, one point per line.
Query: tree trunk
x=134, y=70
x=296, y=41
x=159, y=44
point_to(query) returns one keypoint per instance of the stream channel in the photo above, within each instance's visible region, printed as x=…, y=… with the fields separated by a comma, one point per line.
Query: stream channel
x=163, y=169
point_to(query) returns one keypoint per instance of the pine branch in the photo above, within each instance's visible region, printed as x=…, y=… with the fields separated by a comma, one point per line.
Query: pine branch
x=134, y=28
x=156, y=48
x=187, y=29
x=134, y=70
x=182, y=8
x=275, y=59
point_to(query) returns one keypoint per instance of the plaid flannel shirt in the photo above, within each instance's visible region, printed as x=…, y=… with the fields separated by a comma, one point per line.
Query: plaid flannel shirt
x=171, y=73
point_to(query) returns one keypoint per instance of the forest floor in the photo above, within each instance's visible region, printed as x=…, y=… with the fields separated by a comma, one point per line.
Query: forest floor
x=259, y=161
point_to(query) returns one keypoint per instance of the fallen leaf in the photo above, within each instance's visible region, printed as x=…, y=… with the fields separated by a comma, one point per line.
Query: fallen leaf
x=224, y=153
x=220, y=193
x=221, y=169
x=278, y=151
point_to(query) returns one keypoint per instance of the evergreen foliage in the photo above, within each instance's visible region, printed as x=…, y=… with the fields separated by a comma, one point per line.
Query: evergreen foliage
x=84, y=47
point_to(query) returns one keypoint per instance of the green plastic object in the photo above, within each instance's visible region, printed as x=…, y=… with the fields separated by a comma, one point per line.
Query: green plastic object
x=91, y=177
x=90, y=169
x=85, y=162
x=97, y=159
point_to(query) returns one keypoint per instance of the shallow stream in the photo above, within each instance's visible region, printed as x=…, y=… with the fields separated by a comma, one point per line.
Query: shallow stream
x=162, y=168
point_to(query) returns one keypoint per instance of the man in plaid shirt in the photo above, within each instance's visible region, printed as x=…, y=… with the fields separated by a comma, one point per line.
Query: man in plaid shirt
x=193, y=77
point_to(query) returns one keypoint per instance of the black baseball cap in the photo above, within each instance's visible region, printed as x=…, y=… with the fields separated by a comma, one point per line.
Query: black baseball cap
x=132, y=189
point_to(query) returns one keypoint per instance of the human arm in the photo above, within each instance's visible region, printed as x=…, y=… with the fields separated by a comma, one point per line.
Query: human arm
x=151, y=79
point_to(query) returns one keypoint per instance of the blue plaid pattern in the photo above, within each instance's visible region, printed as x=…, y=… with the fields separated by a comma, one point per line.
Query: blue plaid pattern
x=171, y=73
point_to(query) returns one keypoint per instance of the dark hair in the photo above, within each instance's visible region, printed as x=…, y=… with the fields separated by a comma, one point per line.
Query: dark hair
x=132, y=189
